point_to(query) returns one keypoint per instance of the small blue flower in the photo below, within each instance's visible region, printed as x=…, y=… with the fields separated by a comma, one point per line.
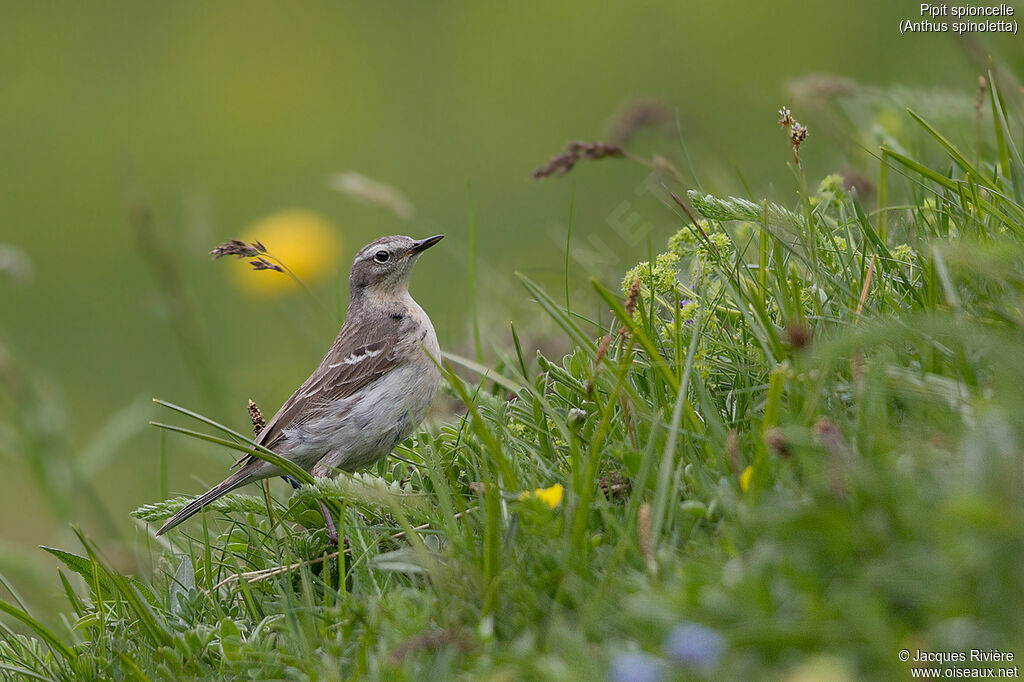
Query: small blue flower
x=695, y=645
x=635, y=667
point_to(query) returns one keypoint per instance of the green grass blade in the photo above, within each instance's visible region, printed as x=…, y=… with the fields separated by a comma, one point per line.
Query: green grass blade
x=56, y=646
x=560, y=317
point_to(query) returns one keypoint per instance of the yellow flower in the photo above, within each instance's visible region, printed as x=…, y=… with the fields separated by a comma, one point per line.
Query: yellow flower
x=303, y=241
x=552, y=496
x=745, y=477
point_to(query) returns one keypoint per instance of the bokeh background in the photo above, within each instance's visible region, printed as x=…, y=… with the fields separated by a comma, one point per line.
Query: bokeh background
x=135, y=137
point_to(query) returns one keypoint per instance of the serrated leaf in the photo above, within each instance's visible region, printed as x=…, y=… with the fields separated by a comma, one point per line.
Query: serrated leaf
x=79, y=564
x=158, y=511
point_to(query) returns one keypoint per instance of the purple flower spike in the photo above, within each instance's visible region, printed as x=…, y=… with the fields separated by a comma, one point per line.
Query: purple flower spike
x=636, y=667
x=695, y=646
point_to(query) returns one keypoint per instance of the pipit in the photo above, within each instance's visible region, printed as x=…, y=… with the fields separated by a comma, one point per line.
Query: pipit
x=370, y=391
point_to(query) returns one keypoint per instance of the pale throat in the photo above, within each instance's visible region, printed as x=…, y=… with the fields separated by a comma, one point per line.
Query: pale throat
x=387, y=295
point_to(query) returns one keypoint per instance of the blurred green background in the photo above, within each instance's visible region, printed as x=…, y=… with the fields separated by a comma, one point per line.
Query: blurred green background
x=209, y=116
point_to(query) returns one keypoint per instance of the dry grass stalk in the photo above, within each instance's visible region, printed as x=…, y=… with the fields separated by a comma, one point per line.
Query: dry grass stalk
x=867, y=286
x=693, y=219
x=369, y=191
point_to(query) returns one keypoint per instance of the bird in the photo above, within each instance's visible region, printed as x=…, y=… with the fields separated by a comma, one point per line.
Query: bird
x=372, y=388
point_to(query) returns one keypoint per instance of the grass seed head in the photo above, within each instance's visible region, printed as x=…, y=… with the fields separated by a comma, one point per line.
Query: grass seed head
x=258, y=421
x=264, y=264
x=785, y=117
x=236, y=247
x=560, y=164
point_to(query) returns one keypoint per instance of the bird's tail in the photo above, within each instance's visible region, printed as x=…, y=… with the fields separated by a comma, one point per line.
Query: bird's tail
x=235, y=480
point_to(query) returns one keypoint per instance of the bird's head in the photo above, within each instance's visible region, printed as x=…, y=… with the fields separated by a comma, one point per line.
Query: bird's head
x=382, y=268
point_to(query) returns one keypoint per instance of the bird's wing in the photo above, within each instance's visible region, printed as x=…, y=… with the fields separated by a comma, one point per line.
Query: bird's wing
x=360, y=355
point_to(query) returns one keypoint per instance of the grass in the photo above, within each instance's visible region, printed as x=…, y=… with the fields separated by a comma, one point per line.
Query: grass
x=795, y=448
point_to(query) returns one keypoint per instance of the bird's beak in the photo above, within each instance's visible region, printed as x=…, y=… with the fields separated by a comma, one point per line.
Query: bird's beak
x=424, y=244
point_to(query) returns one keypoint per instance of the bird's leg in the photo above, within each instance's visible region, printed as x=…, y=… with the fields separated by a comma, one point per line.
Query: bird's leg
x=332, y=530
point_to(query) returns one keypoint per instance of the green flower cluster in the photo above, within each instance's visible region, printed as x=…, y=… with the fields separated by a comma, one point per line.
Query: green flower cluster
x=904, y=253
x=831, y=192
x=662, y=277
x=722, y=245
x=684, y=241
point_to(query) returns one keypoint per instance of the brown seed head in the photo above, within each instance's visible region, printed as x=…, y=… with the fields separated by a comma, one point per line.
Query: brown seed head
x=776, y=440
x=601, y=350
x=646, y=112
x=785, y=117
x=561, y=164
x=798, y=335
x=236, y=247
x=258, y=422
x=264, y=264
x=797, y=134
x=633, y=296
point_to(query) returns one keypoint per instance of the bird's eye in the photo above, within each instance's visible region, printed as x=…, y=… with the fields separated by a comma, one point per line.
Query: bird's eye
x=381, y=256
